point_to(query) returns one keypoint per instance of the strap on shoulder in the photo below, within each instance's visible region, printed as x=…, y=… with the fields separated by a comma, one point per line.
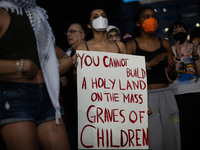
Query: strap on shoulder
x=117, y=47
x=86, y=46
x=161, y=42
x=137, y=45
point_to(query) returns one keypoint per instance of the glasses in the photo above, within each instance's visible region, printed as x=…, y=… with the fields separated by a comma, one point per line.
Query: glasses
x=72, y=31
x=115, y=35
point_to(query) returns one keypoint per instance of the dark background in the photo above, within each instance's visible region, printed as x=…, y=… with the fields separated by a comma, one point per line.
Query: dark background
x=64, y=12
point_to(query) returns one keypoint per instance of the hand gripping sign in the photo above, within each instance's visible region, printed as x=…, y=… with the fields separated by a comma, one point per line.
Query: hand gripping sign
x=112, y=101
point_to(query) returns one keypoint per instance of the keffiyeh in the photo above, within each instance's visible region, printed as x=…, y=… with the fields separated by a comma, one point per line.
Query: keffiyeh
x=45, y=44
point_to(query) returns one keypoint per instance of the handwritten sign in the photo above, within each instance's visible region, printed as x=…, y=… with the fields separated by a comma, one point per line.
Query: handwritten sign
x=112, y=101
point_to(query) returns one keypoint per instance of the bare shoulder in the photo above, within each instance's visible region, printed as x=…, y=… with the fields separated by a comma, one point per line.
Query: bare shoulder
x=4, y=21
x=3, y=12
x=131, y=42
x=4, y=15
x=82, y=47
x=130, y=47
x=166, y=42
x=120, y=43
x=122, y=47
x=167, y=45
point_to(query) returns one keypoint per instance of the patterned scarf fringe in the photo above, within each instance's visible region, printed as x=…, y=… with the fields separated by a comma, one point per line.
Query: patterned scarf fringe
x=45, y=45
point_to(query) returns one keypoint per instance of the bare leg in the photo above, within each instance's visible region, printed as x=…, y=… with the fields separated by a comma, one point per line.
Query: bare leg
x=20, y=136
x=52, y=136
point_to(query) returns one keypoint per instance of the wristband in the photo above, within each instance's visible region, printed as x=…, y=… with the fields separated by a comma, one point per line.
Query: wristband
x=22, y=65
x=178, y=59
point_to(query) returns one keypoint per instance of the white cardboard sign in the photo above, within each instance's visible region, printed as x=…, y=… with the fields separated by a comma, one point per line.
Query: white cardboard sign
x=112, y=101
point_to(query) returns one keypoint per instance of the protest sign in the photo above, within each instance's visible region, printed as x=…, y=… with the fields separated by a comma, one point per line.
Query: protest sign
x=112, y=101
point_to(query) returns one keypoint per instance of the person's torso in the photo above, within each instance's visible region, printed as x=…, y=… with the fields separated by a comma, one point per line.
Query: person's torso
x=187, y=81
x=157, y=74
x=18, y=42
x=110, y=46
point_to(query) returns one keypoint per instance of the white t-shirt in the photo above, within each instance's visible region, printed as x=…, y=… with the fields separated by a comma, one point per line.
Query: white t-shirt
x=69, y=51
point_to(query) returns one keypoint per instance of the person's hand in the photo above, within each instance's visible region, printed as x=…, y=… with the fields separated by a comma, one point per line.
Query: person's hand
x=63, y=81
x=157, y=59
x=29, y=70
x=195, y=44
x=149, y=112
x=74, y=60
x=171, y=66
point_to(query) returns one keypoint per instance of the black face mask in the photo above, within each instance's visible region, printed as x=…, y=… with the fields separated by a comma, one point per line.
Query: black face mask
x=180, y=36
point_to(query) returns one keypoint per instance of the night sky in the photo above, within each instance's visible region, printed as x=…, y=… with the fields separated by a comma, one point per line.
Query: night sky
x=64, y=12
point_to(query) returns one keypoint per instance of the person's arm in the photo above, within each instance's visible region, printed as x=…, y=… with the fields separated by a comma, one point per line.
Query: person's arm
x=171, y=68
x=82, y=47
x=64, y=60
x=130, y=47
x=26, y=67
x=176, y=50
x=196, y=53
x=153, y=62
x=8, y=66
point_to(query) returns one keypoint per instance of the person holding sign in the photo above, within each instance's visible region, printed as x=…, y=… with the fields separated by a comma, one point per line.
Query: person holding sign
x=98, y=23
x=164, y=120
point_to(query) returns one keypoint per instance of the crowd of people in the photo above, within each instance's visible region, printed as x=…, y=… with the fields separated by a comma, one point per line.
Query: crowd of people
x=34, y=71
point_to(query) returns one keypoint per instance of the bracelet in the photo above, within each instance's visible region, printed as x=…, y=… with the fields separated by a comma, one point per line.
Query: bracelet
x=147, y=66
x=17, y=63
x=22, y=65
x=195, y=57
x=178, y=59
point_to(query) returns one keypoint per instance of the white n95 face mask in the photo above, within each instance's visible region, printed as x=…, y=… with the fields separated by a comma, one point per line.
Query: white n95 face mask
x=100, y=24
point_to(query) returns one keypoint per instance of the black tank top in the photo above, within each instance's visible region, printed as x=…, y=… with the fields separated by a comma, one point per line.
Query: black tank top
x=156, y=74
x=19, y=41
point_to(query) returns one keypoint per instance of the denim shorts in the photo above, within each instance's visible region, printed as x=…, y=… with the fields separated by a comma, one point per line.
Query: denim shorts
x=25, y=102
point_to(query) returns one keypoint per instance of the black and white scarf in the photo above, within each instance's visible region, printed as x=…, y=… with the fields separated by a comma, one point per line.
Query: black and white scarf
x=45, y=44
